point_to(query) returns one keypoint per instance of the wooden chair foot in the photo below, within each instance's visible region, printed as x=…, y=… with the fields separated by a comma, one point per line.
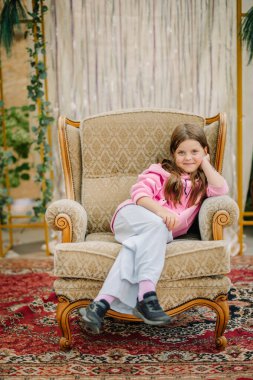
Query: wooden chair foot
x=64, y=309
x=222, y=310
x=221, y=342
x=65, y=344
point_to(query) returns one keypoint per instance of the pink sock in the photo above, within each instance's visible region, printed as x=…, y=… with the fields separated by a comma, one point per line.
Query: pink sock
x=106, y=297
x=144, y=287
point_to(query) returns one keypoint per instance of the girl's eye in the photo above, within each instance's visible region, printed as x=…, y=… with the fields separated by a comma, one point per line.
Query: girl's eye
x=180, y=153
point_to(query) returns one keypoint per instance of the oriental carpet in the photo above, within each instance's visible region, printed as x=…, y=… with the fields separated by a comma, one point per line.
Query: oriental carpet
x=185, y=349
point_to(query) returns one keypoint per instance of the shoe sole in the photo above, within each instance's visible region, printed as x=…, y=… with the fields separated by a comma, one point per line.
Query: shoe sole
x=90, y=325
x=148, y=321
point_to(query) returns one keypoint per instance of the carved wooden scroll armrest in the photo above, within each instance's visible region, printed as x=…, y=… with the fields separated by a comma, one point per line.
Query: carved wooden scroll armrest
x=69, y=217
x=215, y=214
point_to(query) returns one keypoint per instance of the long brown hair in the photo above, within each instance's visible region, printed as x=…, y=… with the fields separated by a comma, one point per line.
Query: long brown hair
x=174, y=187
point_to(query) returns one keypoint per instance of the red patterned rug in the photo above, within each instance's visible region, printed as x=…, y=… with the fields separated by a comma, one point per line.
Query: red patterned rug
x=29, y=335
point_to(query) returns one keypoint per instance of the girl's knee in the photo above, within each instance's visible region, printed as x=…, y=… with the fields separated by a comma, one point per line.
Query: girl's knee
x=159, y=225
x=162, y=230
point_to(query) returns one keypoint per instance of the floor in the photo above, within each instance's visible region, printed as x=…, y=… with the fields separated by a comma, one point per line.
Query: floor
x=248, y=240
x=27, y=243
x=30, y=242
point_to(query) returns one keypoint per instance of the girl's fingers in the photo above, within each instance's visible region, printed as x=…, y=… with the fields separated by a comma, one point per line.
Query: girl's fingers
x=167, y=221
x=173, y=221
x=170, y=221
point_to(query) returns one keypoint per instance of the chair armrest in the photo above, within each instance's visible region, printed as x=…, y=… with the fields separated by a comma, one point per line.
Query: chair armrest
x=215, y=214
x=69, y=217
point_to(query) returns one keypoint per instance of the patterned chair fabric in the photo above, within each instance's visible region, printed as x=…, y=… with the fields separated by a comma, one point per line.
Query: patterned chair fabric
x=184, y=259
x=170, y=293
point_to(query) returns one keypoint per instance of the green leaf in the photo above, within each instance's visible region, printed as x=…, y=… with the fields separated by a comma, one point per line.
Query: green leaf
x=9, y=200
x=40, y=93
x=41, y=66
x=25, y=176
x=43, y=75
x=246, y=32
x=12, y=11
x=14, y=180
x=24, y=166
x=47, y=148
x=32, y=107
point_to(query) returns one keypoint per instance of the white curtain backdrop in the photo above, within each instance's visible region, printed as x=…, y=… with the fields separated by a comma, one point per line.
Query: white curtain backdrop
x=115, y=54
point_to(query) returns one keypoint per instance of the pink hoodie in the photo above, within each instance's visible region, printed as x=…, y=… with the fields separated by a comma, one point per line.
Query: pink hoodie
x=151, y=182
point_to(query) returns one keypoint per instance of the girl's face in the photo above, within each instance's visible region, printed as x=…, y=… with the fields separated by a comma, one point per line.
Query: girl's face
x=188, y=155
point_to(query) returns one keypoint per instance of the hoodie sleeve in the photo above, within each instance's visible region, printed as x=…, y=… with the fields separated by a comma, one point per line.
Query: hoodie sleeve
x=213, y=191
x=149, y=183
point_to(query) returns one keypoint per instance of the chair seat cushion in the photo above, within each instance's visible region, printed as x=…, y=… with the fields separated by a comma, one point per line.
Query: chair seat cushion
x=93, y=259
x=170, y=293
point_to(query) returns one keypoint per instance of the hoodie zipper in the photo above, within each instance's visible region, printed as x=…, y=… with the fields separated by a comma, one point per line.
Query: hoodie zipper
x=185, y=187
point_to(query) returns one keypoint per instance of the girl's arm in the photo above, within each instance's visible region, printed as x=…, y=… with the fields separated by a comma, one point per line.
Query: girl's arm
x=169, y=218
x=213, y=177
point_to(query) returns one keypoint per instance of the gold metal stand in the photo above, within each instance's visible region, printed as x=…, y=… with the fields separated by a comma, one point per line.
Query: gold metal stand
x=242, y=213
x=10, y=225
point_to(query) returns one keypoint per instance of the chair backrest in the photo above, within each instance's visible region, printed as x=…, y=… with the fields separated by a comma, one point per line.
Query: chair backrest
x=103, y=155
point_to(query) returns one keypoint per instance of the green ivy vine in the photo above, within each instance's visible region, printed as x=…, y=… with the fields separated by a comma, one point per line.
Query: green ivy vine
x=36, y=94
x=18, y=139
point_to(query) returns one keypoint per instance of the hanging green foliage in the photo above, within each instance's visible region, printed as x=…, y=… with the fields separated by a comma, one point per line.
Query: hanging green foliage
x=14, y=155
x=39, y=111
x=11, y=14
x=36, y=94
x=247, y=32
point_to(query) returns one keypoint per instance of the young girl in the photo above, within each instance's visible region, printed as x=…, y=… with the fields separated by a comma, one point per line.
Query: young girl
x=164, y=203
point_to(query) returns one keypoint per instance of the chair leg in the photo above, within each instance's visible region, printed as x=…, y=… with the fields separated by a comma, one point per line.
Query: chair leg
x=64, y=309
x=222, y=319
x=219, y=305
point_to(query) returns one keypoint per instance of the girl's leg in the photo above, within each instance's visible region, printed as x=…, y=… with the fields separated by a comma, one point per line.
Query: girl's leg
x=144, y=237
x=106, y=297
x=145, y=286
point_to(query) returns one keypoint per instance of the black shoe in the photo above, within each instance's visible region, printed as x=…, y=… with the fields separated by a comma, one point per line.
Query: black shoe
x=150, y=310
x=93, y=315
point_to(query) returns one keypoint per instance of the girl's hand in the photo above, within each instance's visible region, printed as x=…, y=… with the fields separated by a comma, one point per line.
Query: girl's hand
x=170, y=219
x=205, y=158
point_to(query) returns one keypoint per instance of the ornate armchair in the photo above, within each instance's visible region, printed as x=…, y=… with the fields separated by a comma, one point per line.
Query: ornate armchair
x=101, y=158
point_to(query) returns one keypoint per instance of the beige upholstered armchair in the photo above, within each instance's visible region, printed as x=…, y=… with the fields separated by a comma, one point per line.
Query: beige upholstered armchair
x=101, y=158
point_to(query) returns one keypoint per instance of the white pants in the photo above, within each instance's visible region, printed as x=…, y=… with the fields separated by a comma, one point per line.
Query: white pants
x=143, y=236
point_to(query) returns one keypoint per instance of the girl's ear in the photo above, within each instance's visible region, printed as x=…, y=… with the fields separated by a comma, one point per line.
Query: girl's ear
x=206, y=150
